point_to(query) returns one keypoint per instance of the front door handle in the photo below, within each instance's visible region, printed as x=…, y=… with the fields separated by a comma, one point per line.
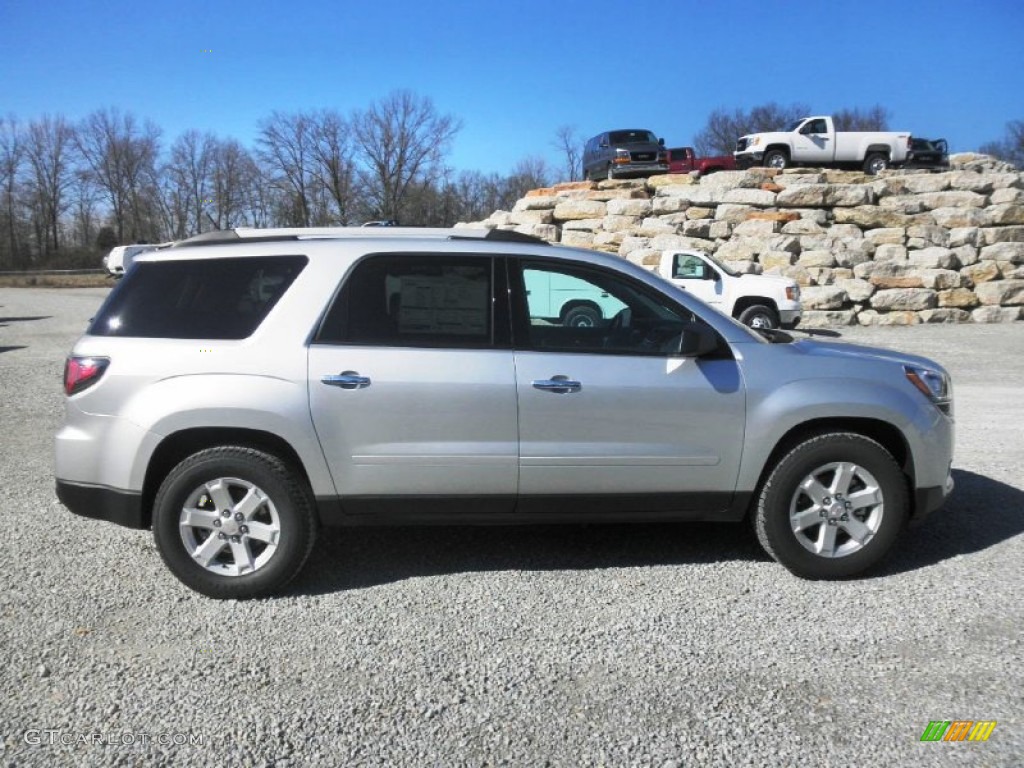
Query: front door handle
x=346, y=380
x=559, y=385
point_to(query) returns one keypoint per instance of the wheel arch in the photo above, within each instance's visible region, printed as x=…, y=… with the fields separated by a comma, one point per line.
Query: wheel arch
x=571, y=304
x=882, y=432
x=178, y=446
x=743, y=302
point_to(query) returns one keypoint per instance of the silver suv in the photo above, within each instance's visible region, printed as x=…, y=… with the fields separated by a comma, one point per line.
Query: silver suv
x=242, y=388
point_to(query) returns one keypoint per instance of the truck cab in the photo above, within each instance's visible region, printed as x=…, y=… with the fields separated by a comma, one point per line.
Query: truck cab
x=760, y=301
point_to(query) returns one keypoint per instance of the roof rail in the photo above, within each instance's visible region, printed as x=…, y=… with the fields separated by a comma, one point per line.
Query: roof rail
x=253, y=234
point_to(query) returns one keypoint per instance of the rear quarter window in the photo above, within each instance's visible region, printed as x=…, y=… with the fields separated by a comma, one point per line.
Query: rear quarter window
x=196, y=298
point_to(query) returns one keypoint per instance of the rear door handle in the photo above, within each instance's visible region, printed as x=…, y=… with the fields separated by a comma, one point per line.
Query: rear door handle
x=559, y=385
x=346, y=380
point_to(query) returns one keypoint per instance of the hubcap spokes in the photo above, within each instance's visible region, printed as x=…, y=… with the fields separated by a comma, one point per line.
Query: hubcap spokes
x=836, y=509
x=229, y=526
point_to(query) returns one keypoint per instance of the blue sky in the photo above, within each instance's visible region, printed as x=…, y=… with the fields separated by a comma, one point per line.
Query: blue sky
x=515, y=71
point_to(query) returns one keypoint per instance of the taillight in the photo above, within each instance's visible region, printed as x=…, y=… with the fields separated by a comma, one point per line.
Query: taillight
x=82, y=372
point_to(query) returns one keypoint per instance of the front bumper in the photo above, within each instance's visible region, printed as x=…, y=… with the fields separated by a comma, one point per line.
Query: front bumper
x=628, y=170
x=747, y=160
x=789, y=318
x=101, y=503
x=927, y=500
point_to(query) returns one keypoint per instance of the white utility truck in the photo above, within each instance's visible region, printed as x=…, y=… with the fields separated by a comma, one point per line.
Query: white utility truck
x=815, y=141
x=760, y=301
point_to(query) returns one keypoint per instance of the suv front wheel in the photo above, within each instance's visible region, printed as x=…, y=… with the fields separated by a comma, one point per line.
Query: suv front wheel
x=234, y=522
x=832, y=507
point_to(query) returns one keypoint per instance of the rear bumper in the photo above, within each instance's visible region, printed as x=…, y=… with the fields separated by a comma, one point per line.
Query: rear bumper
x=101, y=503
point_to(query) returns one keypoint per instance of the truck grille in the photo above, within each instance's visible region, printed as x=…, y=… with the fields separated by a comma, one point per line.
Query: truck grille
x=741, y=145
x=642, y=157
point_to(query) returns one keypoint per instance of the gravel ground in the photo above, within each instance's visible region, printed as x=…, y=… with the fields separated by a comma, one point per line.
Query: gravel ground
x=650, y=645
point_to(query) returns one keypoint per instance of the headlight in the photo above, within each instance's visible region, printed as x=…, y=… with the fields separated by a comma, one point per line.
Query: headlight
x=934, y=385
x=754, y=141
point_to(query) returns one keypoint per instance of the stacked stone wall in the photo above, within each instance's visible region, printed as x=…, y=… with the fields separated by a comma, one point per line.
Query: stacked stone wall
x=900, y=248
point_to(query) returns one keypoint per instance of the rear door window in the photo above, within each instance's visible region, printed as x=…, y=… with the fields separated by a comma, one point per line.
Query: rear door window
x=196, y=298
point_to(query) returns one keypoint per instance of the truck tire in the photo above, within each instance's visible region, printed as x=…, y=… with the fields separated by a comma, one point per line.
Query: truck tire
x=759, y=316
x=832, y=507
x=582, y=316
x=776, y=158
x=875, y=162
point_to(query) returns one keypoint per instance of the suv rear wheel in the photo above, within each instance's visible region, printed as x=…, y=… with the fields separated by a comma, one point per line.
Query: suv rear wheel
x=234, y=522
x=832, y=507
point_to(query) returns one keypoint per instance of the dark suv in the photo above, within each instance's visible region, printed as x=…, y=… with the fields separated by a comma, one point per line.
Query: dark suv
x=624, y=154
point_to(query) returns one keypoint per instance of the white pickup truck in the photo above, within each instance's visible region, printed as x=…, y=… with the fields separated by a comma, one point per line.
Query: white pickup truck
x=760, y=301
x=815, y=141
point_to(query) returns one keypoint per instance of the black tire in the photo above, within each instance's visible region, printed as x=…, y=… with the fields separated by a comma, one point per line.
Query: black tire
x=582, y=316
x=875, y=162
x=759, y=316
x=283, y=507
x=786, y=497
x=776, y=158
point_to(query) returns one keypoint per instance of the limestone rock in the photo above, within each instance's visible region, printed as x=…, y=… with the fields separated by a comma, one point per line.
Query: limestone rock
x=619, y=223
x=1007, y=213
x=530, y=217
x=889, y=252
x=678, y=242
x=547, y=232
x=981, y=272
x=1009, y=234
x=700, y=212
x=670, y=180
x=953, y=199
x=629, y=207
x=887, y=236
x=733, y=212
x=961, y=217
x=798, y=226
x=934, y=258
x=817, y=259
x=817, y=318
x=966, y=236
x=857, y=290
x=889, y=274
x=823, y=297
x=946, y=315
x=957, y=297
x=871, y=217
x=773, y=259
x=577, y=238
x=1012, y=252
x=580, y=209
x=584, y=224
x=758, y=197
x=940, y=279
x=1001, y=292
x=994, y=314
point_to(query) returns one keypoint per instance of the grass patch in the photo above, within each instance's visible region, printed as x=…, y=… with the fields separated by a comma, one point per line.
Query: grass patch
x=56, y=281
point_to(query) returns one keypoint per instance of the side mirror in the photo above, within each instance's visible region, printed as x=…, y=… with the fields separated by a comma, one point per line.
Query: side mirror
x=709, y=273
x=661, y=142
x=696, y=341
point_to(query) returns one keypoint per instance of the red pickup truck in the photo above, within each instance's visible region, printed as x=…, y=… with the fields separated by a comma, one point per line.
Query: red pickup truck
x=685, y=160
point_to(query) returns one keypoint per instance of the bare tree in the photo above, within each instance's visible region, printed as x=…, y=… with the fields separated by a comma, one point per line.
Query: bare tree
x=875, y=118
x=529, y=173
x=400, y=141
x=190, y=170
x=287, y=144
x=120, y=158
x=719, y=135
x=1010, y=148
x=12, y=153
x=568, y=142
x=233, y=170
x=48, y=147
x=334, y=168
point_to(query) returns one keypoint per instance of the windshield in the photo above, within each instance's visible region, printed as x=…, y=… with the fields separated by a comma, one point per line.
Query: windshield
x=728, y=270
x=633, y=137
x=794, y=125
